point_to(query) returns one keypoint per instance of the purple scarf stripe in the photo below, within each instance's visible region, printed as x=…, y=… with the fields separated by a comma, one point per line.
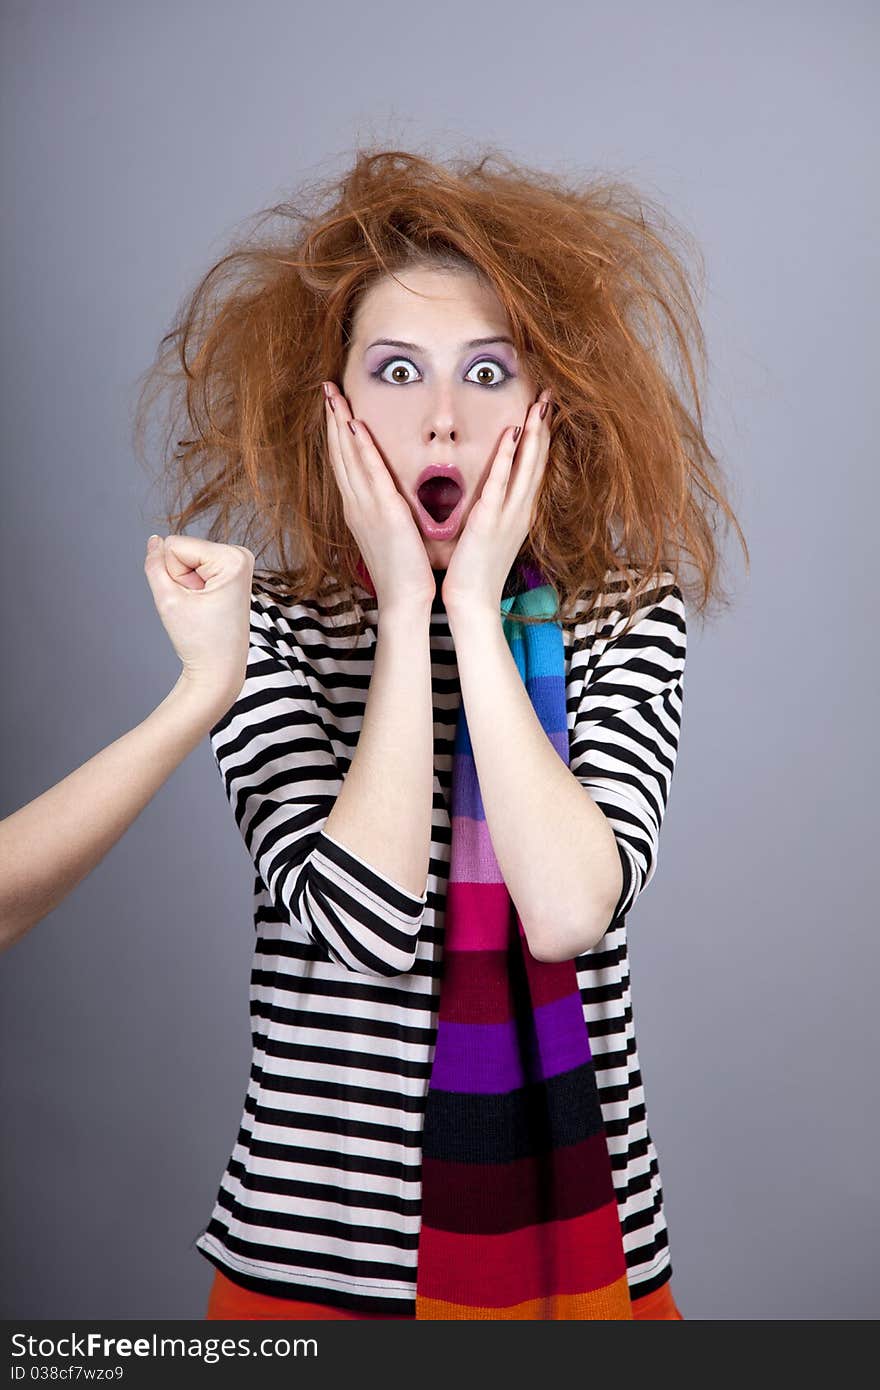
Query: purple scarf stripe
x=484, y=1058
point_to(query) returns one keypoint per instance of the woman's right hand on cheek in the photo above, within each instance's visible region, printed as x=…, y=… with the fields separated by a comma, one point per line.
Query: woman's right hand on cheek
x=202, y=592
x=377, y=514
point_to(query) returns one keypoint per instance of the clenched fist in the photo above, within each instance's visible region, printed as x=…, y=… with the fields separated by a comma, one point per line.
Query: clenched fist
x=202, y=592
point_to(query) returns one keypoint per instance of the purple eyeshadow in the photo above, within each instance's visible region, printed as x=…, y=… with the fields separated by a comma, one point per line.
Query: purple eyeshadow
x=376, y=359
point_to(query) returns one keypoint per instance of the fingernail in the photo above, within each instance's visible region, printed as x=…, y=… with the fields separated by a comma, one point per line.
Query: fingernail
x=516, y=433
x=543, y=411
x=152, y=542
x=350, y=424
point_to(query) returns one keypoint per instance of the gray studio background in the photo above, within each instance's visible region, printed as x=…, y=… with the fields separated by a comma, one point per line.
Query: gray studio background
x=135, y=139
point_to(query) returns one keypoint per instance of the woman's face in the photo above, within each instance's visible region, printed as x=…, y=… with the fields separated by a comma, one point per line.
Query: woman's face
x=438, y=399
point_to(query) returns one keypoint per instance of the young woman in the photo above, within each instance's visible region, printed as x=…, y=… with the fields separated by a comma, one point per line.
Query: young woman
x=441, y=402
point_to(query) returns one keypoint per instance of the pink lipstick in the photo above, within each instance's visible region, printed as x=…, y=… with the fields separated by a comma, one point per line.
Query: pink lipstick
x=439, y=496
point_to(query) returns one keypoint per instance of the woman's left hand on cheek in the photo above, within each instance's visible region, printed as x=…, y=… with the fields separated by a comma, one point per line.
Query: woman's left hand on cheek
x=501, y=517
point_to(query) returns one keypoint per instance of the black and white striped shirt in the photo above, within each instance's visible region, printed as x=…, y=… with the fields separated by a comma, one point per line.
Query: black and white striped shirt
x=320, y=1199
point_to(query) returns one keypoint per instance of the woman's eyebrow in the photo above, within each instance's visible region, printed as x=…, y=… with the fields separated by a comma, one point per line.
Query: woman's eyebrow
x=414, y=347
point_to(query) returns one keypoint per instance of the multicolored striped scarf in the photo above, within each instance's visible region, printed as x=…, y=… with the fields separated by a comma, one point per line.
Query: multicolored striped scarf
x=519, y=1218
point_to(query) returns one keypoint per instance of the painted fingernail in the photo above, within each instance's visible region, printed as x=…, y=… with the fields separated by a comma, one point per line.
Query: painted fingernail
x=516, y=433
x=543, y=411
x=351, y=427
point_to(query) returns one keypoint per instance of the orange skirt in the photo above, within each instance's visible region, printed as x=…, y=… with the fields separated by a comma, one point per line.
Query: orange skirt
x=231, y=1302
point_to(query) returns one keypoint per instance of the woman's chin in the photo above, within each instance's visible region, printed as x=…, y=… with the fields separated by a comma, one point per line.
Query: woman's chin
x=439, y=553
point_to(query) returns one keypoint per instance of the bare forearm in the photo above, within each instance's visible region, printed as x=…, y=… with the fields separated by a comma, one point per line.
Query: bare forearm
x=383, y=810
x=554, y=846
x=51, y=844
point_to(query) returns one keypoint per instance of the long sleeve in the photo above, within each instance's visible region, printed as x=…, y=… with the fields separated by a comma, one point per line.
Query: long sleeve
x=281, y=776
x=625, y=740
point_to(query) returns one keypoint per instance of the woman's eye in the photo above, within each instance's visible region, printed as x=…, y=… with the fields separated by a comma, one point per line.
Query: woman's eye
x=483, y=366
x=399, y=366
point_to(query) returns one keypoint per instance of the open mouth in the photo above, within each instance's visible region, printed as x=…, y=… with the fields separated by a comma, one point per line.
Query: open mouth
x=439, y=497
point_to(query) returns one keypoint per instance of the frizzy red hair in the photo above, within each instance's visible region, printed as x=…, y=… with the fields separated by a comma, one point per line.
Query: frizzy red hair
x=595, y=296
